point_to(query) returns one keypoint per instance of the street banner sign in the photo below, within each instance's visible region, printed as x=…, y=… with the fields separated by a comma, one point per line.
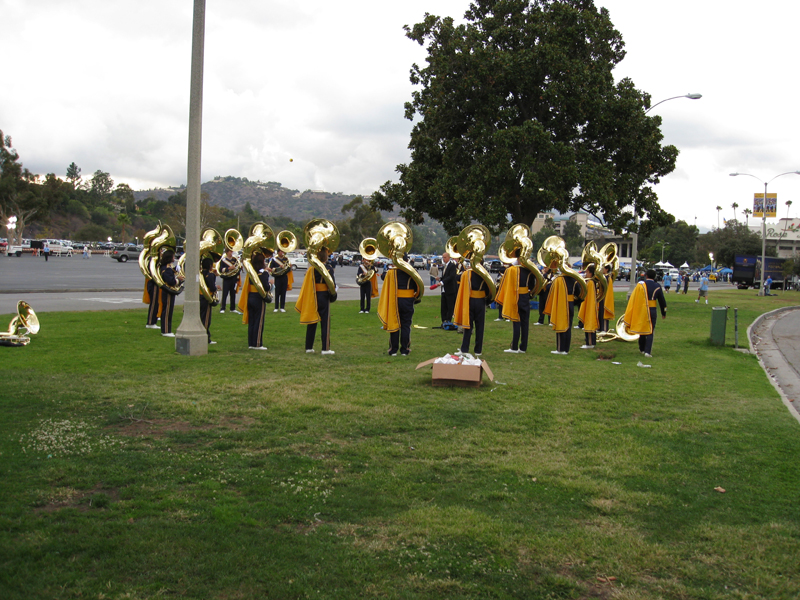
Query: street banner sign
x=772, y=205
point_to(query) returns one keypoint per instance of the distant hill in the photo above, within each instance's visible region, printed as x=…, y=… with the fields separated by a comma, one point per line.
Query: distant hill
x=269, y=199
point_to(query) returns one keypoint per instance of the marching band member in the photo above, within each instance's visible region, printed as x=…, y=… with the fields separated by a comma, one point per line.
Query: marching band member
x=588, y=313
x=560, y=308
x=514, y=298
x=470, y=309
x=640, y=314
x=284, y=279
x=367, y=287
x=396, y=308
x=171, y=279
x=253, y=305
x=313, y=304
x=207, y=273
x=229, y=285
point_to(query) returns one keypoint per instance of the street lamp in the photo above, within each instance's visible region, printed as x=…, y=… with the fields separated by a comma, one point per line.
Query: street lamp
x=10, y=226
x=635, y=236
x=690, y=96
x=662, y=249
x=764, y=222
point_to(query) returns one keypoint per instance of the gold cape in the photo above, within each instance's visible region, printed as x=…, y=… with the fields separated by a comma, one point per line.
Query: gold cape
x=387, y=304
x=374, y=282
x=243, y=300
x=558, y=305
x=637, y=313
x=508, y=294
x=588, y=312
x=461, y=313
x=306, y=303
x=608, y=304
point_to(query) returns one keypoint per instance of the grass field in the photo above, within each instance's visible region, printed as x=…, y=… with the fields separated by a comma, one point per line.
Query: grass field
x=129, y=471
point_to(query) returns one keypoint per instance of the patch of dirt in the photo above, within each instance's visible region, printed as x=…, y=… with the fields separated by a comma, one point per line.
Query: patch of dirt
x=159, y=428
x=62, y=498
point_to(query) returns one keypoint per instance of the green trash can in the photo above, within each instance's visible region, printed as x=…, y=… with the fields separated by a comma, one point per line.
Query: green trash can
x=719, y=318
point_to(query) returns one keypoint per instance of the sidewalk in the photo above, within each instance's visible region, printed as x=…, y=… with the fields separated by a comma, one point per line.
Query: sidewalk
x=775, y=339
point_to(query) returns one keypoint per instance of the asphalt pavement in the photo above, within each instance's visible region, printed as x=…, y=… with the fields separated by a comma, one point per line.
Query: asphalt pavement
x=775, y=339
x=101, y=283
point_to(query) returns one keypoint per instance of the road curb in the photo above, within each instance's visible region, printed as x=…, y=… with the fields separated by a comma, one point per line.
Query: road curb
x=787, y=377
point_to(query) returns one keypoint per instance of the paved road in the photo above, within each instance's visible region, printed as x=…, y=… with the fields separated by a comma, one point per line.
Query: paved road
x=775, y=338
x=99, y=283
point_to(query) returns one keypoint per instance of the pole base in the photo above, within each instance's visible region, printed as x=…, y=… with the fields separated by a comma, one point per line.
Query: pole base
x=191, y=343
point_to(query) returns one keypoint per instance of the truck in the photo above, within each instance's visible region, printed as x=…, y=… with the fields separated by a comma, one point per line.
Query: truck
x=747, y=271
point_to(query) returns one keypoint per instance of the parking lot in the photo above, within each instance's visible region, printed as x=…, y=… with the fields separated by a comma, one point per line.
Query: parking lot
x=101, y=283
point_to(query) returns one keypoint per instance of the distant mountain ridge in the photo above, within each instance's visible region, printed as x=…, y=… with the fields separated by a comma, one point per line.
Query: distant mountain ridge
x=269, y=199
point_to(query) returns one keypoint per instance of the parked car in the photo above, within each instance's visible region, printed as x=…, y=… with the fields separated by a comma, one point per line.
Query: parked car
x=298, y=262
x=495, y=266
x=418, y=263
x=125, y=253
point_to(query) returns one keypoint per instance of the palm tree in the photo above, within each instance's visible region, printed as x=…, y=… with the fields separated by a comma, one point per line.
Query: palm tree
x=719, y=208
x=788, y=205
x=734, y=206
x=747, y=212
x=123, y=219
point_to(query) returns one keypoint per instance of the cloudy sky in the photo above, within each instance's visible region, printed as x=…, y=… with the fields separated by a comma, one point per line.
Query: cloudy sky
x=106, y=84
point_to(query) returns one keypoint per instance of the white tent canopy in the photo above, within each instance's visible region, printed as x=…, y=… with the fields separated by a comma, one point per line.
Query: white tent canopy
x=667, y=264
x=661, y=264
x=685, y=266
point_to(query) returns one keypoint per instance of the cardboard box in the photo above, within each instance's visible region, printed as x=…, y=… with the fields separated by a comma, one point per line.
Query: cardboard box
x=457, y=375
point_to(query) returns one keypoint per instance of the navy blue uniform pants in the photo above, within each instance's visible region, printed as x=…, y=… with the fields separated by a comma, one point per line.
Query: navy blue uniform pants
x=477, y=318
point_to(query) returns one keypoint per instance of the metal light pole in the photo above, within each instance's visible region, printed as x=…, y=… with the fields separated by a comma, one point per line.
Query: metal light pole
x=663, y=244
x=10, y=226
x=635, y=235
x=191, y=338
x=764, y=222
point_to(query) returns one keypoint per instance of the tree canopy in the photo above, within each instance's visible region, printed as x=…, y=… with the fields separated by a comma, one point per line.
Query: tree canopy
x=735, y=238
x=517, y=112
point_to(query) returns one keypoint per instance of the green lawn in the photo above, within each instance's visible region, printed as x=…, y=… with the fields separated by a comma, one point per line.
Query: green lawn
x=129, y=471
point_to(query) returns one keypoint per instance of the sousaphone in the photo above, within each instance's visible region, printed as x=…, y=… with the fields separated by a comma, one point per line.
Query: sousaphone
x=21, y=325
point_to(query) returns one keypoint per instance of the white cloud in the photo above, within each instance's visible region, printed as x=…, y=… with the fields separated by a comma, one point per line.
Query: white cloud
x=106, y=85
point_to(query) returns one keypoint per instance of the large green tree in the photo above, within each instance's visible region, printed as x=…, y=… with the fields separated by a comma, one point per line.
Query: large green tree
x=517, y=112
x=680, y=244
x=19, y=194
x=735, y=238
x=364, y=223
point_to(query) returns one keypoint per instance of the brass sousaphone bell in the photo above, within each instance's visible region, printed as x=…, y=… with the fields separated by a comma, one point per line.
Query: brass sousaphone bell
x=261, y=240
x=518, y=245
x=211, y=246
x=319, y=234
x=592, y=256
x=472, y=243
x=26, y=320
x=394, y=241
x=620, y=332
x=554, y=255
x=610, y=259
x=368, y=249
x=286, y=242
x=234, y=242
x=144, y=255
